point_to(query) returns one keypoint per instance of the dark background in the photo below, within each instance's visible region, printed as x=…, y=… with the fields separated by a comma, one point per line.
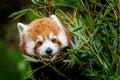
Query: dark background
x=12, y=65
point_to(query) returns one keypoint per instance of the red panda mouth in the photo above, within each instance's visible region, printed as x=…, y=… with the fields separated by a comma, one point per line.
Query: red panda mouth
x=49, y=57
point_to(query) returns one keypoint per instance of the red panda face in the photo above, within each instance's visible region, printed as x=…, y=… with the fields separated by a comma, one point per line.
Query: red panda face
x=43, y=37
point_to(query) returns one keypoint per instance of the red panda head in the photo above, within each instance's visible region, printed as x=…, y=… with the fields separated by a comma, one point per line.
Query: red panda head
x=43, y=37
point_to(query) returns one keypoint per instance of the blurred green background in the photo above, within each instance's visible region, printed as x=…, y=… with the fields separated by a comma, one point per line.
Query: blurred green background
x=12, y=65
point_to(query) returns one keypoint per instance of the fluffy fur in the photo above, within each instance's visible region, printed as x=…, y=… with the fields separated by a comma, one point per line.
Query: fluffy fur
x=46, y=38
x=43, y=37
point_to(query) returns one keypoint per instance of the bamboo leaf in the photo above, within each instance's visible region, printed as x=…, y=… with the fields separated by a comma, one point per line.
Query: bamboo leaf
x=19, y=13
x=28, y=58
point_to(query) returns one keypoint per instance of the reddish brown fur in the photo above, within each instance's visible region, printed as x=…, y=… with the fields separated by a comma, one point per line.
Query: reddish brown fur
x=58, y=42
x=22, y=47
x=69, y=37
x=42, y=27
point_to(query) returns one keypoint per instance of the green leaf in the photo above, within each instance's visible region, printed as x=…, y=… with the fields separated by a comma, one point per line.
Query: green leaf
x=77, y=28
x=28, y=58
x=19, y=13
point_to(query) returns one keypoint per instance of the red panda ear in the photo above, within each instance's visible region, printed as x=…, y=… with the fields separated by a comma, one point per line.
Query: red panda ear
x=54, y=17
x=21, y=28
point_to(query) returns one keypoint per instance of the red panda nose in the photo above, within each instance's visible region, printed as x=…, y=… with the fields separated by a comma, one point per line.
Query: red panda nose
x=49, y=51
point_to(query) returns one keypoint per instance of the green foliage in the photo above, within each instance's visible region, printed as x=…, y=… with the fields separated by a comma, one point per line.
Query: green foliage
x=94, y=25
x=8, y=68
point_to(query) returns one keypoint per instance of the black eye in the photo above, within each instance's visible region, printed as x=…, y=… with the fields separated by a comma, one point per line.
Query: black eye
x=39, y=42
x=53, y=40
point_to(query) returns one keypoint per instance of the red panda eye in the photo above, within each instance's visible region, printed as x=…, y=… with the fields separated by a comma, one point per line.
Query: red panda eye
x=39, y=43
x=53, y=40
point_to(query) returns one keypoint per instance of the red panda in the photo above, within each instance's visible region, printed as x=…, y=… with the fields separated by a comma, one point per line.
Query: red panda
x=43, y=37
x=46, y=38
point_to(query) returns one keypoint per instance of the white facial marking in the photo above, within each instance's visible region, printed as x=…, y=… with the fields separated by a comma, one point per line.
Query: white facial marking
x=40, y=38
x=51, y=36
x=30, y=47
x=63, y=38
x=47, y=44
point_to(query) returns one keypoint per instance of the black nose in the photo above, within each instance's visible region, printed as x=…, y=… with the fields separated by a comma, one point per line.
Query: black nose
x=49, y=51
